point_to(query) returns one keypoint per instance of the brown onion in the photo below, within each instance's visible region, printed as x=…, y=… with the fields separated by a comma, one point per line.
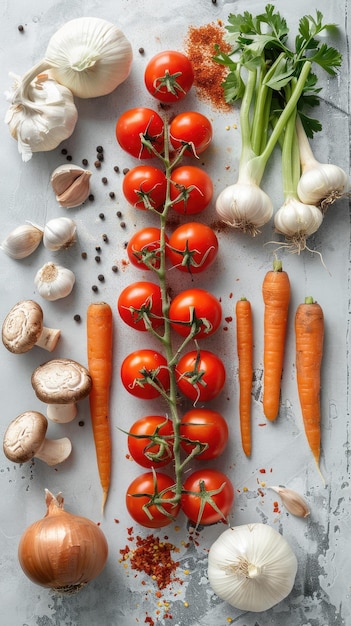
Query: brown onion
x=62, y=551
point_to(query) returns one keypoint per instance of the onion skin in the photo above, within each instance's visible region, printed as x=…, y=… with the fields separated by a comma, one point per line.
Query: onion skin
x=62, y=551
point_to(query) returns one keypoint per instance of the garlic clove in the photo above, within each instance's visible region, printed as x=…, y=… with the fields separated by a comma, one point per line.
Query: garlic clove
x=293, y=502
x=71, y=184
x=54, y=281
x=22, y=241
x=59, y=233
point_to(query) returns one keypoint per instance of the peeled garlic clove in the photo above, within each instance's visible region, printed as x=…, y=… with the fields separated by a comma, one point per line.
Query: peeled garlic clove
x=54, y=281
x=293, y=502
x=71, y=185
x=22, y=241
x=59, y=233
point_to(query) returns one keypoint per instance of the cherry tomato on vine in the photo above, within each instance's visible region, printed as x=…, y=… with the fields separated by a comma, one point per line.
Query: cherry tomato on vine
x=150, y=441
x=192, y=247
x=141, y=370
x=195, y=306
x=191, y=128
x=140, y=121
x=144, y=245
x=200, y=375
x=139, y=499
x=168, y=76
x=144, y=187
x=191, y=190
x=200, y=482
x=140, y=299
x=207, y=427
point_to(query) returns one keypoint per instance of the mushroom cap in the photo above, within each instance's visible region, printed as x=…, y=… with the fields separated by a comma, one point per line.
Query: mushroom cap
x=24, y=436
x=22, y=326
x=61, y=381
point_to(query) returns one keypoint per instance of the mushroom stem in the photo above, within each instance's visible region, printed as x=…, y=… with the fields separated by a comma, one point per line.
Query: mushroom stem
x=61, y=413
x=54, y=451
x=48, y=338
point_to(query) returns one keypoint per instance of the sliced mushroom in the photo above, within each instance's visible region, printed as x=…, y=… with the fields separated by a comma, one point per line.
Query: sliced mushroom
x=23, y=328
x=61, y=383
x=25, y=438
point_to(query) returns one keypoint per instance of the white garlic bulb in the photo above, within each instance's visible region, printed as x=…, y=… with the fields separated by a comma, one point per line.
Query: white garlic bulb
x=59, y=233
x=244, y=206
x=252, y=567
x=54, y=281
x=22, y=241
x=297, y=221
x=42, y=112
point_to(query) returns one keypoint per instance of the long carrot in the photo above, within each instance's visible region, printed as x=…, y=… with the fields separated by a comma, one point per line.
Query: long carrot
x=309, y=333
x=276, y=297
x=99, y=344
x=244, y=340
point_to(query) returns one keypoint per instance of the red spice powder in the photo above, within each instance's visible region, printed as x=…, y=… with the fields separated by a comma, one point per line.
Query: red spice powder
x=208, y=75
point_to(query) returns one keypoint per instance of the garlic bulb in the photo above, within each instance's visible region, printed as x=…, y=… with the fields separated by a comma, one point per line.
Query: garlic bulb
x=59, y=233
x=71, y=184
x=252, y=567
x=297, y=221
x=54, y=281
x=22, y=241
x=62, y=551
x=244, y=206
x=90, y=56
x=42, y=113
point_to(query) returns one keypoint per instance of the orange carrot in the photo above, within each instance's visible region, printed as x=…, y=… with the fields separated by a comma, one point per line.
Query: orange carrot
x=244, y=340
x=309, y=333
x=276, y=297
x=99, y=344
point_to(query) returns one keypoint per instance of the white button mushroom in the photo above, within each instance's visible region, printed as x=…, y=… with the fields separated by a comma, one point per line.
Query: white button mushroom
x=61, y=383
x=25, y=438
x=23, y=328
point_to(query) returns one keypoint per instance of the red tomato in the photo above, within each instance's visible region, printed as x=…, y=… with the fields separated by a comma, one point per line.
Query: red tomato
x=140, y=121
x=200, y=375
x=138, y=299
x=140, y=496
x=192, y=247
x=144, y=245
x=144, y=186
x=169, y=76
x=199, y=483
x=150, y=441
x=195, y=306
x=191, y=128
x=191, y=190
x=142, y=367
x=207, y=427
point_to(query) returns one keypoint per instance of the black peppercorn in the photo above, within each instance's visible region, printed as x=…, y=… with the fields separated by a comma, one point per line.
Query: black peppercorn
x=77, y=318
x=97, y=164
x=105, y=238
x=104, y=180
x=84, y=255
x=114, y=268
x=98, y=248
x=95, y=288
x=85, y=161
x=64, y=151
x=122, y=224
x=81, y=423
x=100, y=156
x=21, y=28
x=101, y=278
x=99, y=149
x=116, y=168
x=119, y=213
x=91, y=197
x=102, y=216
x=97, y=259
x=112, y=194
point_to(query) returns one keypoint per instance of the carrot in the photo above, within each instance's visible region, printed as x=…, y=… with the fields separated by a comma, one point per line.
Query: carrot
x=309, y=333
x=276, y=297
x=244, y=340
x=99, y=344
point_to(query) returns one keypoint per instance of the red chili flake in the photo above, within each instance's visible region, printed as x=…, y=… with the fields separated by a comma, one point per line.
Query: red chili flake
x=228, y=319
x=153, y=557
x=231, y=295
x=263, y=424
x=260, y=492
x=262, y=471
x=149, y=620
x=225, y=328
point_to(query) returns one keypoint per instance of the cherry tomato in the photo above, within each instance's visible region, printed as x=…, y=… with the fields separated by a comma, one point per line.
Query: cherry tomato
x=191, y=128
x=200, y=482
x=138, y=299
x=150, y=441
x=191, y=190
x=139, y=499
x=142, y=367
x=144, y=245
x=204, y=426
x=195, y=306
x=140, y=121
x=144, y=186
x=192, y=247
x=169, y=76
x=200, y=375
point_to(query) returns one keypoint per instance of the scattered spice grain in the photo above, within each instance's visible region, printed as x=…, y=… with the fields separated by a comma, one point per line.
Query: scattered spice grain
x=101, y=278
x=105, y=238
x=102, y=216
x=114, y=268
x=119, y=213
x=84, y=255
x=200, y=48
x=69, y=157
x=141, y=50
x=91, y=197
x=100, y=156
x=64, y=151
x=81, y=423
x=99, y=149
x=97, y=258
x=95, y=288
x=97, y=164
x=116, y=169
x=85, y=162
x=154, y=557
x=21, y=28
x=112, y=194
x=77, y=317
x=104, y=180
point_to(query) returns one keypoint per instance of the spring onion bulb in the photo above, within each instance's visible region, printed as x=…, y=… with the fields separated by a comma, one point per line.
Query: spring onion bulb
x=252, y=567
x=320, y=183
